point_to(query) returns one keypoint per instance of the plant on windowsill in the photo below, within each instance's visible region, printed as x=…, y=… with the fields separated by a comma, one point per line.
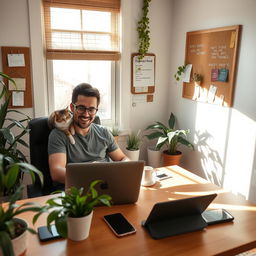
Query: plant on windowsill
x=12, y=159
x=171, y=138
x=143, y=30
x=73, y=211
x=115, y=132
x=13, y=230
x=133, y=146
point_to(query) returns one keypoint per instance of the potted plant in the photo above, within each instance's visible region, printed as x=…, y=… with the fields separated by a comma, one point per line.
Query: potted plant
x=115, y=132
x=197, y=79
x=179, y=73
x=133, y=146
x=171, y=138
x=74, y=211
x=154, y=156
x=10, y=142
x=10, y=172
x=13, y=231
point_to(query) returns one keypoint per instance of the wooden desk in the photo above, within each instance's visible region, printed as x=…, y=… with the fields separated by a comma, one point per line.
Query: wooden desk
x=220, y=239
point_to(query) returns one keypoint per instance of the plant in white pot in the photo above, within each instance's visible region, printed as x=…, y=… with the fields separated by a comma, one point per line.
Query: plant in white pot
x=133, y=146
x=73, y=211
x=154, y=156
x=13, y=230
x=171, y=138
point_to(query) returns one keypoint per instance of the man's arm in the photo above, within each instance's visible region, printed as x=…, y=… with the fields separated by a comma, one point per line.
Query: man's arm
x=57, y=164
x=118, y=155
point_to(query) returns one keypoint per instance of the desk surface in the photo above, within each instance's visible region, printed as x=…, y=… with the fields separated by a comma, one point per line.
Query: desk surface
x=220, y=239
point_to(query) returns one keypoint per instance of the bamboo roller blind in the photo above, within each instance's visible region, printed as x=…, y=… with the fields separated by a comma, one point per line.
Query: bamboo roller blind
x=68, y=35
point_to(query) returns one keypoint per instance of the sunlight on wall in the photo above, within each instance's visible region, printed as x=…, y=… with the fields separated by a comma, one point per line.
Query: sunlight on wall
x=210, y=137
x=240, y=153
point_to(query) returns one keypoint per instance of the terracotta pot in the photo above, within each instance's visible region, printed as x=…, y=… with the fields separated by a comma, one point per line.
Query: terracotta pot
x=19, y=243
x=171, y=159
x=116, y=139
x=79, y=228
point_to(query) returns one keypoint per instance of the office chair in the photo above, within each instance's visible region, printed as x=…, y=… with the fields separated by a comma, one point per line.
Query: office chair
x=38, y=140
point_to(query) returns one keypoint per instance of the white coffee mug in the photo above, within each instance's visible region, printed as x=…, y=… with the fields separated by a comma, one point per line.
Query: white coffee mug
x=148, y=177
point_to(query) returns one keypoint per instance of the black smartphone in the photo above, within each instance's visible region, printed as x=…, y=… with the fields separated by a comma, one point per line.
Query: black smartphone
x=119, y=224
x=217, y=216
x=45, y=235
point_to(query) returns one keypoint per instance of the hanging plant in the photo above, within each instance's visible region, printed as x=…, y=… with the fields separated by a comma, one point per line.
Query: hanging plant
x=143, y=30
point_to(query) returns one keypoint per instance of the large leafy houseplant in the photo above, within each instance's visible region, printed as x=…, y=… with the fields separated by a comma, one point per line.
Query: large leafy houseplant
x=10, y=172
x=74, y=203
x=10, y=140
x=12, y=160
x=12, y=227
x=168, y=136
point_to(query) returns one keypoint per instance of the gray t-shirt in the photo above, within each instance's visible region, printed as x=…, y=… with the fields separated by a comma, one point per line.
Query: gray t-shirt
x=94, y=146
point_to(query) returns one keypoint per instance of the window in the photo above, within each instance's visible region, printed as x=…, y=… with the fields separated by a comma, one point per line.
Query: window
x=82, y=45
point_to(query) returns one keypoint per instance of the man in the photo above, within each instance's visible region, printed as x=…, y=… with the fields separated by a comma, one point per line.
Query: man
x=92, y=142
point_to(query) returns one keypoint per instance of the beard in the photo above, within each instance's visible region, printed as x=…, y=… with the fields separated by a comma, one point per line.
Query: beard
x=83, y=122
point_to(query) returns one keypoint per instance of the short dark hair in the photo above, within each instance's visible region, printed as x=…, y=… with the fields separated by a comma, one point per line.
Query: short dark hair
x=85, y=90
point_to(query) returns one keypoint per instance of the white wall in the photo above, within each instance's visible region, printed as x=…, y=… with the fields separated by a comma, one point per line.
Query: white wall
x=225, y=137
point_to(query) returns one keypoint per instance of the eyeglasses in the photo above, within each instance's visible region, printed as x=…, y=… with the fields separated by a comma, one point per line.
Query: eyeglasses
x=82, y=109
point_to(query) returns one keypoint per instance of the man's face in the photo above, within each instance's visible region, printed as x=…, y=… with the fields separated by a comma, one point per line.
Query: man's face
x=82, y=117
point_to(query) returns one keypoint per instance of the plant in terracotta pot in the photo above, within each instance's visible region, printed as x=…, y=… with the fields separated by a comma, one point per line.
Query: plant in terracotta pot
x=73, y=210
x=115, y=132
x=13, y=235
x=171, y=138
x=133, y=146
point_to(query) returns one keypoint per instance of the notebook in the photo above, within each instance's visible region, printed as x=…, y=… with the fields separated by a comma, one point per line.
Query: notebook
x=177, y=216
x=121, y=179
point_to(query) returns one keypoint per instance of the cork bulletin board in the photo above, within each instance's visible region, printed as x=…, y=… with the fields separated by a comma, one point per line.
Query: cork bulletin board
x=212, y=52
x=16, y=64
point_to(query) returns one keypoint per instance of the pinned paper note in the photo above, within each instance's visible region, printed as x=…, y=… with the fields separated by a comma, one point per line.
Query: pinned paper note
x=20, y=84
x=211, y=93
x=16, y=60
x=17, y=98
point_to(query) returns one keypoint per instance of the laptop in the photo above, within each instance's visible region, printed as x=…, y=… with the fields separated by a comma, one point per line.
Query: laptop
x=121, y=180
x=178, y=216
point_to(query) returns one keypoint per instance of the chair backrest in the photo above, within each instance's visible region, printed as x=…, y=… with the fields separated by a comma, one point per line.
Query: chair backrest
x=38, y=140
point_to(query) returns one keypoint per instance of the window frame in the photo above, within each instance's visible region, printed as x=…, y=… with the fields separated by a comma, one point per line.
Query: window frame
x=115, y=101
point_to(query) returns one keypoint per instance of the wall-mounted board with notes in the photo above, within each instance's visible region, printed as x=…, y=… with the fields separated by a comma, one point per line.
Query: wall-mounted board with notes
x=16, y=64
x=213, y=54
x=143, y=73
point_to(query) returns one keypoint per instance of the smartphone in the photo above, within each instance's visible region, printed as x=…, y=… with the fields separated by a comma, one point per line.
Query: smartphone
x=119, y=224
x=161, y=175
x=45, y=235
x=217, y=216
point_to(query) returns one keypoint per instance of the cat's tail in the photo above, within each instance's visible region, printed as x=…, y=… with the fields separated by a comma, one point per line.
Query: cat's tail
x=71, y=139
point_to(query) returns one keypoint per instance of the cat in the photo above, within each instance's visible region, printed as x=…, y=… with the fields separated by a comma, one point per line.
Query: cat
x=63, y=120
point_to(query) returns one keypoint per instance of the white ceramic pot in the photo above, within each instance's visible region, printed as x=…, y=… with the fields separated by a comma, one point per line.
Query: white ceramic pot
x=79, y=228
x=154, y=157
x=132, y=154
x=19, y=244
